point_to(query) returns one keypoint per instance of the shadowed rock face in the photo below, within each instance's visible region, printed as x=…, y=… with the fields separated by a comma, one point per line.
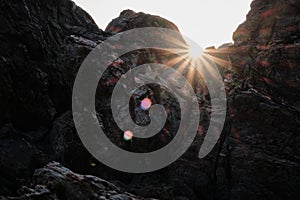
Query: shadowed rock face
x=57, y=182
x=41, y=52
x=42, y=46
x=129, y=19
x=268, y=43
x=264, y=104
x=270, y=21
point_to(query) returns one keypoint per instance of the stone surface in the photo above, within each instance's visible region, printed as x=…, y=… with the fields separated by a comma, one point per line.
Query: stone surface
x=129, y=19
x=267, y=48
x=42, y=46
x=264, y=101
x=41, y=54
x=54, y=182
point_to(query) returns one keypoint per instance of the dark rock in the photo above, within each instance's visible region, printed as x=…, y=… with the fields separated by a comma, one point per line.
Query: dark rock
x=129, y=19
x=40, y=192
x=267, y=44
x=21, y=153
x=34, y=92
x=257, y=157
x=264, y=104
x=57, y=182
x=42, y=46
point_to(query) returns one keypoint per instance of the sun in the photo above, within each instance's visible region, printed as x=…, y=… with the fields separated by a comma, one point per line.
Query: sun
x=194, y=51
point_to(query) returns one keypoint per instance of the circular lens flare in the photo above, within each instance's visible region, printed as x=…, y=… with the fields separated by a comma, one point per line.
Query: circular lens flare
x=128, y=135
x=146, y=104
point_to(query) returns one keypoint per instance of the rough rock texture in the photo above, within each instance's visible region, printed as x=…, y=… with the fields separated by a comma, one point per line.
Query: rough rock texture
x=264, y=101
x=268, y=43
x=39, y=63
x=129, y=19
x=57, y=182
x=42, y=46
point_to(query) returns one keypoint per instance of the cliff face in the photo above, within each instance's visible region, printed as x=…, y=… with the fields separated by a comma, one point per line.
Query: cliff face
x=268, y=45
x=41, y=49
x=43, y=44
x=264, y=104
x=270, y=22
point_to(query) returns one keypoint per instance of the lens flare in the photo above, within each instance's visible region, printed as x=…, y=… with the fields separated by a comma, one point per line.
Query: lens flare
x=93, y=164
x=128, y=135
x=146, y=104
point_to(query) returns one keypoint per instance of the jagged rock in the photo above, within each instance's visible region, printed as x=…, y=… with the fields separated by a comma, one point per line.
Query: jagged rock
x=57, y=182
x=65, y=143
x=264, y=106
x=40, y=192
x=267, y=48
x=263, y=133
x=34, y=92
x=129, y=19
x=270, y=21
x=43, y=45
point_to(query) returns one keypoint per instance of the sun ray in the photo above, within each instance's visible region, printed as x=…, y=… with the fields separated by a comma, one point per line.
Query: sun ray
x=207, y=68
x=175, y=61
x=183, y=66
x=191, y=75
x=220, y=61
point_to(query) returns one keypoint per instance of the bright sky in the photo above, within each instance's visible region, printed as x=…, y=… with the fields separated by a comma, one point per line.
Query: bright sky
x=207, y=22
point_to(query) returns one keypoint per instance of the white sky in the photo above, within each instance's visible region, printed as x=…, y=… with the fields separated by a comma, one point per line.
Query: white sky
x=207, y=22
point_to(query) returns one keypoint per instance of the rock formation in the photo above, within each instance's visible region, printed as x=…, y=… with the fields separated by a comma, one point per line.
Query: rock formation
x=54, y=182
x=43, y=44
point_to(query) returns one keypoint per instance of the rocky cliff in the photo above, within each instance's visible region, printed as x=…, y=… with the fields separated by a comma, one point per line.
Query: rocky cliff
x=264, y=63
x=43, y=44
x=268, y=43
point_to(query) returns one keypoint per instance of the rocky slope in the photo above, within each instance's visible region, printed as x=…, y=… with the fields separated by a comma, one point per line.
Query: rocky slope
x=54, y=182
x=42, y=46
